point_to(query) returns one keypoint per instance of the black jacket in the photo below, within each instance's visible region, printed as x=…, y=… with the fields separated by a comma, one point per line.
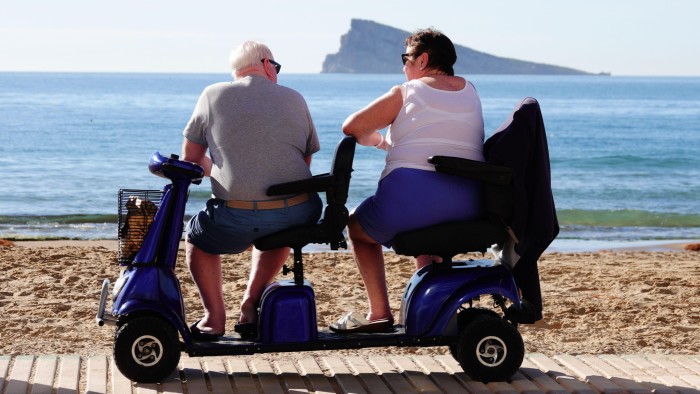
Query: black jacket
x=521, y=144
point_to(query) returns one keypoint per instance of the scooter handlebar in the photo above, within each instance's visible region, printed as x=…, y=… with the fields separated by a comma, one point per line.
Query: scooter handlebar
x=175, y=169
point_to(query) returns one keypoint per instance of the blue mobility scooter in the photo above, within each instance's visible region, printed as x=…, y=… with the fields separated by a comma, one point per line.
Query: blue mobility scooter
x=438, y=305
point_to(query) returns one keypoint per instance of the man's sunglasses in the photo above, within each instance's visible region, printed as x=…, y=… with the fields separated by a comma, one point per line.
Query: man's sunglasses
x=278, y=66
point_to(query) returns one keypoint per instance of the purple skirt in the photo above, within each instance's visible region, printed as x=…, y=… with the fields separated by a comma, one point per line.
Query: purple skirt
x=409, y=199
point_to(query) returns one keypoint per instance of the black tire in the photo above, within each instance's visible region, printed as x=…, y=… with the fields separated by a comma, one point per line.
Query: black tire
x=146, y=349
x=464, y=317
x=490, y=349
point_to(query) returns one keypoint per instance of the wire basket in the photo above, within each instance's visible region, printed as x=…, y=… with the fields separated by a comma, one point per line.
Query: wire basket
x=136, y=211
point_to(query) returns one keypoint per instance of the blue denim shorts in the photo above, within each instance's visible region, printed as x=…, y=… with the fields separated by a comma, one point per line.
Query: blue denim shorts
x=409, y=199
x=218, y=229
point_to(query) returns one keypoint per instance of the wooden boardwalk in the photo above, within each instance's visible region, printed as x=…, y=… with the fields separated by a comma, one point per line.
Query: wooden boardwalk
x=583, y=374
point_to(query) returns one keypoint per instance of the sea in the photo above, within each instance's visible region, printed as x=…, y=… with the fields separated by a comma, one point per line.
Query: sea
x=625, y=151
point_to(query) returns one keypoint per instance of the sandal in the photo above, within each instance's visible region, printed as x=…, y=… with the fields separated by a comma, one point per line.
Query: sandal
x=354, y=322
x=198, y=334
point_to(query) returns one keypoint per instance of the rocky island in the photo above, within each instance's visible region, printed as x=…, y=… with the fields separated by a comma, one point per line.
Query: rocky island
x=373, y=48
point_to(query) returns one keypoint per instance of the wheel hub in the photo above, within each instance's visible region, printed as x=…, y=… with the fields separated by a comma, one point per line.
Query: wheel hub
x=491, y=351
x=147, y=350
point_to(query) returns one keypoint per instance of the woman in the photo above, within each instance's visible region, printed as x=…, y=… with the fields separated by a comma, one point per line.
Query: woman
x=434, y=113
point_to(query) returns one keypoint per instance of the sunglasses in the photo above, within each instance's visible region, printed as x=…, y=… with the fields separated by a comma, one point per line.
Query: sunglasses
x=278, y=66
x=405, y=56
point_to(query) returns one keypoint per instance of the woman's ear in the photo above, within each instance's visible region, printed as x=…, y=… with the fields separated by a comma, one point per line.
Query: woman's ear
x=423, y=60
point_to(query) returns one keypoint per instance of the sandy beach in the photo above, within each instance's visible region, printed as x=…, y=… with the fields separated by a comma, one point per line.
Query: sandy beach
x=607, y=302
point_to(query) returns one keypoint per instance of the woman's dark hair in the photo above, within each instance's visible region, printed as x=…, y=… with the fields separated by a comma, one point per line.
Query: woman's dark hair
x=441, y=52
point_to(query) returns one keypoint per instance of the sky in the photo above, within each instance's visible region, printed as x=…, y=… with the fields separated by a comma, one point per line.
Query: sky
x=623, y=37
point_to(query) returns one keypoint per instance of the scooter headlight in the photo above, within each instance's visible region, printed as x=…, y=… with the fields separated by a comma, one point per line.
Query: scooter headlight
x=119, y=283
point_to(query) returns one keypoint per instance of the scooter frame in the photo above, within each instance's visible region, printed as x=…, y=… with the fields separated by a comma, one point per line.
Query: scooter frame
x=436, y=308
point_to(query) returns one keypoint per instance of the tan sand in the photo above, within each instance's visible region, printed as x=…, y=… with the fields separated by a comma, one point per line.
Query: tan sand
x=613, y=302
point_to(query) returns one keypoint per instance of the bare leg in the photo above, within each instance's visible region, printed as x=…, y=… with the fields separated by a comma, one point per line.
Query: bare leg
x=205, y=269
x=265, y=266
x=370, y=262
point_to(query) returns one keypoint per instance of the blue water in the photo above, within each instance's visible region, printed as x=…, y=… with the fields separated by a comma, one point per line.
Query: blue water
x=625, y=151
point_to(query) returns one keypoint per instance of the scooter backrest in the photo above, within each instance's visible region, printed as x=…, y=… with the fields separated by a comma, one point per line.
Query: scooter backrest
x=342, y=168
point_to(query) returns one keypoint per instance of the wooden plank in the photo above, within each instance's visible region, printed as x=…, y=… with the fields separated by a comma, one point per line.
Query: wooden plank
x=559, y=374
x=445, y=380
x=173, y=384
x=97, y=374
x=451, y=365
x=44, y=375
x=291, y=380
x=243, y=380
x=367, y=374
x=415, y=374
x=680, y=368
x=645, y=365
x=347, y=380
x=670, y=381
x=637, y=374
x=18, y=381
x=309, y=368
x=588, y=374
x=196, y=382
x=634, y=374
x=4, y=368
x=144, y=388
x=266, y=376
x=69, y=375
x=120, y=384
x=669, y=365
x=693, y=367
x=677, y=384
x=501, y=388
x=615, y=375
x=391, y=375
x=689, y=363
x=540, y=379
x=218, y=376
x=522, y=384
x=693, y=380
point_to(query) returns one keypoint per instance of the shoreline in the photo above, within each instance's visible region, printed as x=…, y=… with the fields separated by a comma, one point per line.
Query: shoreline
x=558, y=246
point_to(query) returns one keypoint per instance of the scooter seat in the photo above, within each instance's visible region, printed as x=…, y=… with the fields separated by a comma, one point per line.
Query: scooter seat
x=301, y=236
x=450, y=239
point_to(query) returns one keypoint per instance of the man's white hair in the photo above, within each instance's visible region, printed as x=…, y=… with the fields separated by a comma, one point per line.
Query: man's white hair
x=249, y=54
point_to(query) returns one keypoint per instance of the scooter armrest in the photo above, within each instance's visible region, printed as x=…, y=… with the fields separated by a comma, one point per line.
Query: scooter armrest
x=472, y=169
x=317, y=183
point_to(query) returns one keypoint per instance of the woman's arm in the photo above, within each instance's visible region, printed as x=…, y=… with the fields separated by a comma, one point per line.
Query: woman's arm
x=379, y=114
x=196, y=153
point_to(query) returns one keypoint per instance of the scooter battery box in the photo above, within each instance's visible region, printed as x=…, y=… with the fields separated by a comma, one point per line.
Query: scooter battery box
x=288, y=313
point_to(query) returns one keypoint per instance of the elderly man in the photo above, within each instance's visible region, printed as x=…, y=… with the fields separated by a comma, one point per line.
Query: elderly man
x=258, y=133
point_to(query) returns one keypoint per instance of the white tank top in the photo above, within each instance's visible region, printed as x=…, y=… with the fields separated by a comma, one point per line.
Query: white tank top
x=435, y=122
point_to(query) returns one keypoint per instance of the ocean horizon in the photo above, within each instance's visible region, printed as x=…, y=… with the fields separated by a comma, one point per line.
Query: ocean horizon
x=625, y=151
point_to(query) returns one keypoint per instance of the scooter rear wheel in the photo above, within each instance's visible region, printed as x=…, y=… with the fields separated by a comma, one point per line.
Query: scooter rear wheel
x=490, y=349
x=146, y=349
x=464, y=317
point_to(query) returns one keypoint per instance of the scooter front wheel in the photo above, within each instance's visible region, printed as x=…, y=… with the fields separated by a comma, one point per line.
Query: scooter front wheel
x=490, y=349
x=146, y=349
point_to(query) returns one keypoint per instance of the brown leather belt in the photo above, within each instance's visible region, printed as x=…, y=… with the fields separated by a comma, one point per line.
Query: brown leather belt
x=269, y=204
